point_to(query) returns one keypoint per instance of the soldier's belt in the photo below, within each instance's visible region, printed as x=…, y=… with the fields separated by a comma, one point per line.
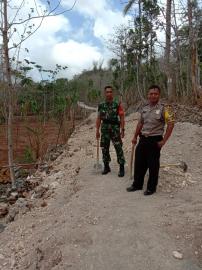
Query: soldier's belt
x=111, y=122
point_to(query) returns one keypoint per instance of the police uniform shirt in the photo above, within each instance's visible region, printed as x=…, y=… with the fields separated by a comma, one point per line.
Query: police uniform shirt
x=154, y=119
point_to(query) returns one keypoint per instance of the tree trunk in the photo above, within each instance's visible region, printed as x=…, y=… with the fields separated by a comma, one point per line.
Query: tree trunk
x=138, y=86
x=168, y=48
x=7, y=76
x=178, y=81
x=139, y=59
x=140, y=29
x=194, y=70
x=122, y=68
x=193, y=57
x=44, y=107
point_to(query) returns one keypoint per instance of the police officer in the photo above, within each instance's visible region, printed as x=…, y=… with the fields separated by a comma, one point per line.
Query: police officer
x=150, y=130
x=111, y=119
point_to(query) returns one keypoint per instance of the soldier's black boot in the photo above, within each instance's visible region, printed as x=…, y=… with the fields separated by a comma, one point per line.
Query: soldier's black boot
x=121, y=171
x=106, y=168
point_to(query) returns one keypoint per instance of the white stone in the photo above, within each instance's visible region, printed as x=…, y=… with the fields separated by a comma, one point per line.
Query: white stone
x=1, y=257
x=3, y=209
x=177, y=255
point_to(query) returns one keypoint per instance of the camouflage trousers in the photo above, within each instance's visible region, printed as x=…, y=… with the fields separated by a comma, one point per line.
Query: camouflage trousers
x=111, y=133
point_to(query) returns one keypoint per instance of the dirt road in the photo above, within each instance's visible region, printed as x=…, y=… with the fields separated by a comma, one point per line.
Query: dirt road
x=91, y=222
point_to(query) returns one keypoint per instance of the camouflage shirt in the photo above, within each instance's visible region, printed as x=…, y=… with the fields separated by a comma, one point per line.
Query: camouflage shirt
x=109, y=112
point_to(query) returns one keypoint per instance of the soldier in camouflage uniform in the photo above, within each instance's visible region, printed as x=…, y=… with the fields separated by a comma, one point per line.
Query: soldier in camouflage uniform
x=111, y=119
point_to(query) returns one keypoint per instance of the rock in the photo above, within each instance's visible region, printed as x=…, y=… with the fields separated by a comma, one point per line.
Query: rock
x=43, y=175
x=77, y=169
x=3, y=198
x=3, y=209
x=12, y=261
x=8, y=191
x=21, y=173
x=44, y=204
x=40, y=191
x=53, y=157
x=54, y=185
x=13, y=188
x=20, y=184
x=13, y=197
x=44, y=168
x=56, y=258
x=33, y=182
x=59, y=175
x=183, y=184
x=1, y=257
x=48, y=194
x=4, y=176
x=25, y=194
x=12, y=214
x=22, y=205
x=177, y=255
x=14, y=194
x=2, y=227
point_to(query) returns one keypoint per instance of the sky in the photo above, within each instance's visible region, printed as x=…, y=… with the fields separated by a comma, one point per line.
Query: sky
x=75, y=39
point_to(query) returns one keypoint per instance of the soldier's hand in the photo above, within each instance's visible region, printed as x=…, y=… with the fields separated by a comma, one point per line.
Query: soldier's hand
x=134, y=141
x=97, y=134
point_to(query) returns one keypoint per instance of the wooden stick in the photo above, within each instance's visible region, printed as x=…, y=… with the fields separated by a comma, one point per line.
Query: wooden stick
x=23, y=164
x=131, y=161
x=97, y=152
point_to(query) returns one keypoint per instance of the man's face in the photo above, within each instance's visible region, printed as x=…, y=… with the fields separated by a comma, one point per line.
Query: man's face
x=153, y=95
x=108, y=94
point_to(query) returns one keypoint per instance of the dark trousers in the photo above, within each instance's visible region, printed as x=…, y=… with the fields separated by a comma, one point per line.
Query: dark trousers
x=147, y=156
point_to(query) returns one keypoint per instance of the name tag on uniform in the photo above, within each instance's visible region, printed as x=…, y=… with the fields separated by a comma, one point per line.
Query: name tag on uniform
x=157, y=111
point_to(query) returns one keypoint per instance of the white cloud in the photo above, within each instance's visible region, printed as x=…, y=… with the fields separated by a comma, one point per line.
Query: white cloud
x=88, y=7
x=77, y=56
x=105, y=19
x=57, y=42
x=104, y=26
x=42, y=42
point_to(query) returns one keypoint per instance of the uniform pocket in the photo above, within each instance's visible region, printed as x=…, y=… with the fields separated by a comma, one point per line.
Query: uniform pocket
x=157, y=116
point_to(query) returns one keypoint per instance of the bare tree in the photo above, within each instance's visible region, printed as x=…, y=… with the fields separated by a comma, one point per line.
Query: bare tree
x=9, y=27
x=7, y=76
x=168, y=48
x=193, y=51
x=127, y=8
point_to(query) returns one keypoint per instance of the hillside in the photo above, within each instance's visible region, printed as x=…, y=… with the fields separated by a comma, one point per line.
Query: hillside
x=79, y=219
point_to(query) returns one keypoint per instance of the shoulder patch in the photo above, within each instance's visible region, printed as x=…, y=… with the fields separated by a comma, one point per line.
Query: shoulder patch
x=169, y=114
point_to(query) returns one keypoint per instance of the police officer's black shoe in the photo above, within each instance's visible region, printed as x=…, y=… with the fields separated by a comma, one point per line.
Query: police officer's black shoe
x=149, y=192
x=106, y=169
x=132, y=189
x=121, y=171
